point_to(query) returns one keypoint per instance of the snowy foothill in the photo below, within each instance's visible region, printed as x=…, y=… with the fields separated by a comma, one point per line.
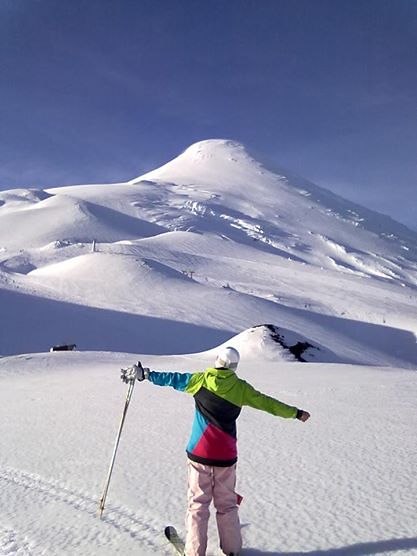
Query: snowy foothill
x=318, y=294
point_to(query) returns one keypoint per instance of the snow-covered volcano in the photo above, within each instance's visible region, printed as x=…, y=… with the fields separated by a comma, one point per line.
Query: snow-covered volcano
x=217, y=186
x=211, y=243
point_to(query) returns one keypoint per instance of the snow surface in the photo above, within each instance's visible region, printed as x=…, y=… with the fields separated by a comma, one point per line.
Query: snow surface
x=342, y=483
x=181, y=260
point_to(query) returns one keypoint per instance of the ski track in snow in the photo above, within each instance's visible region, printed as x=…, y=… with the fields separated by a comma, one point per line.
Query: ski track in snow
x=34, y=488
x=13, y=543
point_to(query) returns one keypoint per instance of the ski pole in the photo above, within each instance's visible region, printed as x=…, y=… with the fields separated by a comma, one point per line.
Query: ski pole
x=106, y=487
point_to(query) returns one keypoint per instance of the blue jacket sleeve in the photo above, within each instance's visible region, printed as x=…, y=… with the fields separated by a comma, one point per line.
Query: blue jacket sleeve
x=179, y=381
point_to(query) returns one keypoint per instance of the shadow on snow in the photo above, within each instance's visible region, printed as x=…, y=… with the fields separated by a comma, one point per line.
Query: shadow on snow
x=33, y=324
x=360, y=549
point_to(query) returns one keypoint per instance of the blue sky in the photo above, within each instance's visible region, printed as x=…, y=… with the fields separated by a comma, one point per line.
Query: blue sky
x=99, y=91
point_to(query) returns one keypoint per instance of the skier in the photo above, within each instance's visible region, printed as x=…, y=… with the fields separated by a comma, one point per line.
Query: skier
x=212, y=452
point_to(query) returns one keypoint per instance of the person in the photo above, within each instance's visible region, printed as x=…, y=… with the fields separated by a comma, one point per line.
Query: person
x=219, y=396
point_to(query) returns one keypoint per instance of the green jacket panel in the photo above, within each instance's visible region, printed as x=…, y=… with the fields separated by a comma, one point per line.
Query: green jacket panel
x=227, y=385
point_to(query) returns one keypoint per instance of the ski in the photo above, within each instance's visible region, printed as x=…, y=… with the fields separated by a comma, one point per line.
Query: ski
x=176, y=541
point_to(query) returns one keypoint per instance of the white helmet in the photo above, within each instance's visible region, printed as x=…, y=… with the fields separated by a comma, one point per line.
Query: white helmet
x=227, y=358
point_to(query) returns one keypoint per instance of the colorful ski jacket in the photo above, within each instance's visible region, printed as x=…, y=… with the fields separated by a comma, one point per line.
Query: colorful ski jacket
x=219, y=396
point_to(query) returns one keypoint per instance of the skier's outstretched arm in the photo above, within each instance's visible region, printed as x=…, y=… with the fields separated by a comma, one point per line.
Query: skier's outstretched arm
x=185, y=382
x=258, y=400
x=179, y=381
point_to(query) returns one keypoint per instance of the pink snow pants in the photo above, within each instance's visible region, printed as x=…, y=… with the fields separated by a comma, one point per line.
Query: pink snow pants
x=207, y=483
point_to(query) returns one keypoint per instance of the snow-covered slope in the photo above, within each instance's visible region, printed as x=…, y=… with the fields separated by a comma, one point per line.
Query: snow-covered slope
x=205, y=247
x=46, y=218
x=341, y=484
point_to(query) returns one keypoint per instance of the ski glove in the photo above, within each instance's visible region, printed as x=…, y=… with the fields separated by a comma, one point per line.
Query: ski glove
x=302, y=415
x=136, y=372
